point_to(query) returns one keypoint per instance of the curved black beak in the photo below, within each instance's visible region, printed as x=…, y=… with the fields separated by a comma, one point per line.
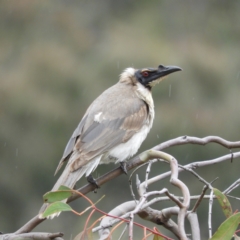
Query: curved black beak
x=164, y=71
x=161, y=72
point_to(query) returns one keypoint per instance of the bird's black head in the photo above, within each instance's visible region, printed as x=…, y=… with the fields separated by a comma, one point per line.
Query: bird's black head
x=151, y=76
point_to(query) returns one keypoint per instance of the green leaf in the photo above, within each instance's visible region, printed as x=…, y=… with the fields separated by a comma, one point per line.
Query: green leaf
x=224, y=203
x=59, y=195
x=227, y=228
x=56, y=207
x=156, y=237
x=64, y=188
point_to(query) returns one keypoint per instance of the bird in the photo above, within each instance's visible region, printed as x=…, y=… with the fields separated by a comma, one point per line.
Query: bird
x=114, y=125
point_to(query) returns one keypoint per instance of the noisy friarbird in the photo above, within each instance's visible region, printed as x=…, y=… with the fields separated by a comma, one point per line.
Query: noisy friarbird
x=114, y=126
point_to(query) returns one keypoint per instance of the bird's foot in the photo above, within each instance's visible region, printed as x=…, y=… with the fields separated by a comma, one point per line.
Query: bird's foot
x=123, y=166
x=91, y=180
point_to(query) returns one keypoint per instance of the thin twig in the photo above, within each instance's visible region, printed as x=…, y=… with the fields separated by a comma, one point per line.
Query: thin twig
x=232, y=187
x=195, y=174
x=210, y=214
x=123, y=231
x=136, y=161
x=205, y=188
x=147, y=172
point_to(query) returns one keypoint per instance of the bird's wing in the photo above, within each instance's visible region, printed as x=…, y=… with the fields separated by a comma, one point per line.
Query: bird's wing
x=70, y=145
x=104, y=126
x=102, y=136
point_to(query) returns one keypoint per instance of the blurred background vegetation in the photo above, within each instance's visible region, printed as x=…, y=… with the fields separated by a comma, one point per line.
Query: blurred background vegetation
x=56, y=57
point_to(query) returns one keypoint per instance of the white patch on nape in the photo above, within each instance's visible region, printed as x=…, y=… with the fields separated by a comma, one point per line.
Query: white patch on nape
x=155, y=82
x=127, y=73
x=97, y=117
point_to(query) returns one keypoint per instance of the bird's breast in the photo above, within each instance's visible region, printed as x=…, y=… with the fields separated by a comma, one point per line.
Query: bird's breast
x=126, y=150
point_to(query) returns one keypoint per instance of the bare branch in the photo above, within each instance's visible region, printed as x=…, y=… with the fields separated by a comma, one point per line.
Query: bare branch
x=34, y=235
x=195, y=174
x=232, y=187
x=136, y=161
x=146, y=156
x=205, y=188
x=147, y=173
x=151, y=154
x=210, y=214
x=162, y=217
x=199, y=141
x=236, y=198
x=124, y=230
x=193, y=220
x=121, y=210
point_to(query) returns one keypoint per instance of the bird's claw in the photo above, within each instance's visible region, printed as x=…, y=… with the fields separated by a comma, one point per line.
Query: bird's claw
x=123, y=166
x=91, y=180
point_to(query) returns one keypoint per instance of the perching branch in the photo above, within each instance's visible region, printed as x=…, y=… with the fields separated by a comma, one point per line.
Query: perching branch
x=136, y=161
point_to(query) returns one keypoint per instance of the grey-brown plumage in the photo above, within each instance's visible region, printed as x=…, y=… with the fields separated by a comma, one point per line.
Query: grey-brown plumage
x=114, y=126
x=104, y=125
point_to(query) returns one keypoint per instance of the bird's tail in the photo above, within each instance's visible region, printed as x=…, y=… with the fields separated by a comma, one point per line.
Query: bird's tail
x=68, y=179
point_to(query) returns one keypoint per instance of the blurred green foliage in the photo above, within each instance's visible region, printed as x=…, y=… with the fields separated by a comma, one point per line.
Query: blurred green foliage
x=56, y=57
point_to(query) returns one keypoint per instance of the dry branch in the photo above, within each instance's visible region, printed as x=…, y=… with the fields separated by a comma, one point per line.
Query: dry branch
x=136, y=161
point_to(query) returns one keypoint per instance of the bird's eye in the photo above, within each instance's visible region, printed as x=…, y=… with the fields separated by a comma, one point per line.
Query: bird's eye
x=145, y=74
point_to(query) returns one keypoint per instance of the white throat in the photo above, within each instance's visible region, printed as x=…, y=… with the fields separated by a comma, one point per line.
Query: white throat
x=146, y=95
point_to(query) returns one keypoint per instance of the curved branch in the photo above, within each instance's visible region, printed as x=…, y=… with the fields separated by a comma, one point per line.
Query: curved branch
x=136, y=161
x=199, y=141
